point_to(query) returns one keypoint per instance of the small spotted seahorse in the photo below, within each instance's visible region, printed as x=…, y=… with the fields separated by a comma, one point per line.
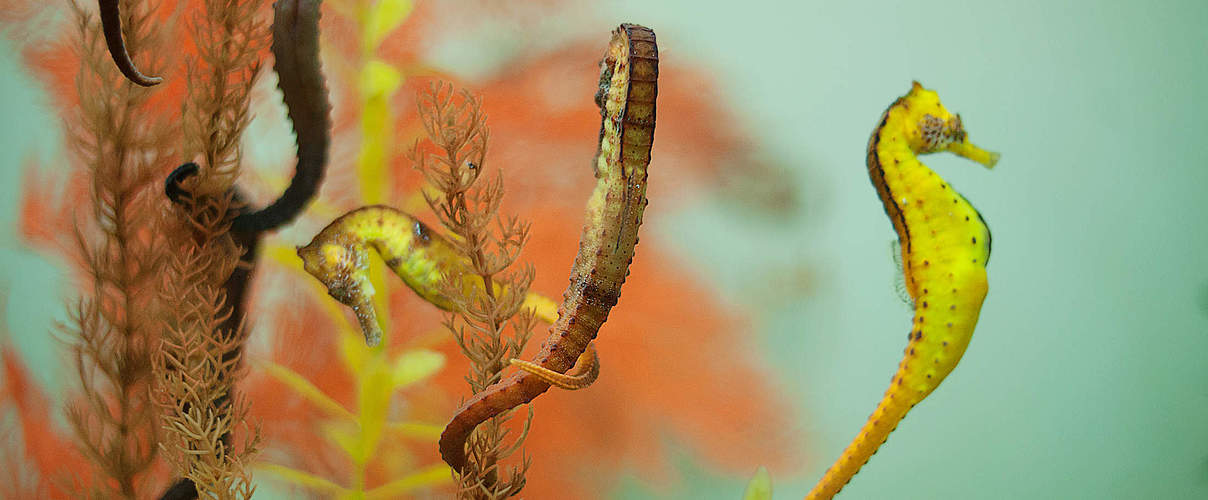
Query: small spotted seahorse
x=338, y=257
x=945, y=246
x=628, y=89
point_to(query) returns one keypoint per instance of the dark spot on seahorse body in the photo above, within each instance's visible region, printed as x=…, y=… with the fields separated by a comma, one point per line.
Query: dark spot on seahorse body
x=975, y=240
x=605, y=82
x=598, y=296
x=422, y=235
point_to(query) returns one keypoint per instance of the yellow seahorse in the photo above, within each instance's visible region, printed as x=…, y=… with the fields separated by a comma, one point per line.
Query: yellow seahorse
x=339, y=258
x=945, y=246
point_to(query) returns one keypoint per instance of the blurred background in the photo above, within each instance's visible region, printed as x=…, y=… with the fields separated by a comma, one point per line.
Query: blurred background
x=761, y=325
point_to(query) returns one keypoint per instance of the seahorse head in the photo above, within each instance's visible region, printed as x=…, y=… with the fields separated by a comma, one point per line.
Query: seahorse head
x=342, y=269
x=933, y=128
x=936, y=128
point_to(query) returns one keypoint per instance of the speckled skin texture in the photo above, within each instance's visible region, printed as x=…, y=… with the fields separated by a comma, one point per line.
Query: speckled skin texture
x=606, y=247
x=339, y=258
x=945, y=246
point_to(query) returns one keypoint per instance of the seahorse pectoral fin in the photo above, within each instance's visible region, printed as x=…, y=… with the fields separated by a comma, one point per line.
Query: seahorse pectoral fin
x=583, y=374
x=969, y=150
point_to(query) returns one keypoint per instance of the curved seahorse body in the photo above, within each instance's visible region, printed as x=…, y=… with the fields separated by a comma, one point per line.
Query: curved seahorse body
x=111, y=25
x=606, y=248
x=338, y=256
x=945, y=246
x=296, y=53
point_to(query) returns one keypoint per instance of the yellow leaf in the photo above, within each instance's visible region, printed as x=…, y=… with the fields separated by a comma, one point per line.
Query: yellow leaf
x=415, y=365
x=348, y=438
x=760, y=486
x=545, y=309
x=307, y=390
x=435, y=475
x=284, y=255
x=356, y=355
x=417, y=430
x=379, y=79
x=384, y=18
x=373, y=401
x=304, y=479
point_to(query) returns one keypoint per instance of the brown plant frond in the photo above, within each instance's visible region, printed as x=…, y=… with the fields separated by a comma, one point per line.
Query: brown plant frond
x=199, y=361
x=231, y=38
x=195, y=368
x=489, y=324
x=113, y=328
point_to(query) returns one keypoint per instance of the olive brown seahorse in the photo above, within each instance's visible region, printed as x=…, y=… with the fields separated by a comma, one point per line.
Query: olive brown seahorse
x=945, y=247
x=338, y=256
x=628, y=89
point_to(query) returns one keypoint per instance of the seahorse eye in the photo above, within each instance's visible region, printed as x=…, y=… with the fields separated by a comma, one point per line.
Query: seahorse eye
x=931, y=131
x=956, y=129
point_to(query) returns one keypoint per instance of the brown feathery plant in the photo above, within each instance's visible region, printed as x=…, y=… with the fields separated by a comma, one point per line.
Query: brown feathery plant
x=194, y=372
x=468, y=206
x=114, y=326
x=200, y=360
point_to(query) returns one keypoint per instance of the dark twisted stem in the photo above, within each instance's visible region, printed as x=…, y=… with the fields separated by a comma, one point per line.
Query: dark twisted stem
x=111, y=25
x=235, y=287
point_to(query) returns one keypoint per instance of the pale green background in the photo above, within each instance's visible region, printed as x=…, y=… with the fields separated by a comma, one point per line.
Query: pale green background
x=1087, y=375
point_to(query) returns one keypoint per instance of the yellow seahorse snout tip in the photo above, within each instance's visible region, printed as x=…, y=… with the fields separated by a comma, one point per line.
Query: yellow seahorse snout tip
x=992, y=160
x=968, y=150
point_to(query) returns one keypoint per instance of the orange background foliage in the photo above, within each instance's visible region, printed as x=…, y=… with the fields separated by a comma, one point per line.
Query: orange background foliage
x=677, y=363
